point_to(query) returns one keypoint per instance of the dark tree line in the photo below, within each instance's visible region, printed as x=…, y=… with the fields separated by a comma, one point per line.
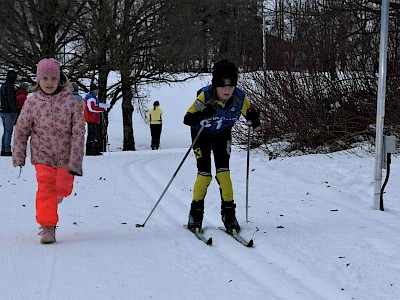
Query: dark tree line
x=316, y=61
x=145, y=41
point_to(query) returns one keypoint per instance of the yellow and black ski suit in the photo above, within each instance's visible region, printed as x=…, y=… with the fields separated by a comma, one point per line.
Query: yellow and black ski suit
x=216, y=137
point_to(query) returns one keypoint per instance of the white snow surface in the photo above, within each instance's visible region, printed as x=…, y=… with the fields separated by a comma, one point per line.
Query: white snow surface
x=311, y=217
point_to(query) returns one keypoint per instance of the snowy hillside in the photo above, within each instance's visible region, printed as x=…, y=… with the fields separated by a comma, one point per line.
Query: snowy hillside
x=316, y=235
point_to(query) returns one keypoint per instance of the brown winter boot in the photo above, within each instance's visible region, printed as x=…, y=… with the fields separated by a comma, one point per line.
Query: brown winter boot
x=48, y=234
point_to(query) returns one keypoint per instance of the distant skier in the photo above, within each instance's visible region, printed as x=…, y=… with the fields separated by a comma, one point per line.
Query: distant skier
x=154, y=116
x=220, y=106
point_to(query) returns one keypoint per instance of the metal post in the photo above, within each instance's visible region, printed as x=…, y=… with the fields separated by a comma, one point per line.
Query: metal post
x=380, y=114
x=247, y=171
x=264, y=36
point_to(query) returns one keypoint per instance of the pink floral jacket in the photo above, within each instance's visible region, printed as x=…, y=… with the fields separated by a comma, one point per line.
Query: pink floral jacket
x=57, y=130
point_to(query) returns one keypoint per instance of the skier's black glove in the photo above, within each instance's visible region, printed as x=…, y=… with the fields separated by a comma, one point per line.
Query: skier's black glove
x=254, y=117
x=208, y=111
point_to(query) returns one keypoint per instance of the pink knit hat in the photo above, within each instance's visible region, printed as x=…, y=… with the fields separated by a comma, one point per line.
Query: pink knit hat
x=48, y=67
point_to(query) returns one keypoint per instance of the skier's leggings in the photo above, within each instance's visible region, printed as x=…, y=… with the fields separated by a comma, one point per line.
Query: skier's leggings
x=220, y=145
x=53, y=183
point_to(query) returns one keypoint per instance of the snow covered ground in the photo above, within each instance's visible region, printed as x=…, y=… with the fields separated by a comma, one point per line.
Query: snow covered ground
x=316, y=235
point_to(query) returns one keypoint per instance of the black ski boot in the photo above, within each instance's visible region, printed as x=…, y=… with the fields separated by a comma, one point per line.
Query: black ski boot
x=196, y=215
x=229, y=217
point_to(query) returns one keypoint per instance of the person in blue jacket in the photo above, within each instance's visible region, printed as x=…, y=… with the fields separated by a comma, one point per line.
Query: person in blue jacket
x=217, y=107
x=76, y=95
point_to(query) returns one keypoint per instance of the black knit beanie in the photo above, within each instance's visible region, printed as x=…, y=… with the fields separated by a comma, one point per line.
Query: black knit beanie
x=93, y=87
x=224, y=74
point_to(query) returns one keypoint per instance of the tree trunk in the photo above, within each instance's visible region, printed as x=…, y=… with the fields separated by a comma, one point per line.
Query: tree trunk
x=127, y=111
x=103, y=75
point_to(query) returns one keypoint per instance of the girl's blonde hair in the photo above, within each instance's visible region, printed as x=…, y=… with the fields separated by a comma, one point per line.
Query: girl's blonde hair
x=62, y=85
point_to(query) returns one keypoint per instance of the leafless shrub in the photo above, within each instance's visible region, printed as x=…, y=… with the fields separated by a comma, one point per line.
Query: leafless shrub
x=312, y=112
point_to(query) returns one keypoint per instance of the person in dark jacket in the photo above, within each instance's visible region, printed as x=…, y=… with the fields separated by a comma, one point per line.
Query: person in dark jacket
x=216, y=109
x=8, y=111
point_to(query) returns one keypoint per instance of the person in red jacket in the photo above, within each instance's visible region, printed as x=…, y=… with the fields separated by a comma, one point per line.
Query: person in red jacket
x=93, y=109
x=22, y=94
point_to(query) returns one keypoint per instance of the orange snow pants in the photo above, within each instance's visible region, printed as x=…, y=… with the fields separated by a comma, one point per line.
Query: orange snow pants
x=53, y=183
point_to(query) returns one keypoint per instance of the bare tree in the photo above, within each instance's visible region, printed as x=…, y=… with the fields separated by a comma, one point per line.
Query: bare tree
x=200, y=32
x=33, y=30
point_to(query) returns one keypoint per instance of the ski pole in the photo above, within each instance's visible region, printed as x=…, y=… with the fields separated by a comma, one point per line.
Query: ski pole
x=247, y=171
x=176, y=172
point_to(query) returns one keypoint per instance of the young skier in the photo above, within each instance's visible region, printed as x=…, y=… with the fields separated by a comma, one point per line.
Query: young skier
x=53, y=119
x=217, y=107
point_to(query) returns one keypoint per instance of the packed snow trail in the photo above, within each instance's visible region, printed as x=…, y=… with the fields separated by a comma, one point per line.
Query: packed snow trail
x=260, y=268
x=317, y=238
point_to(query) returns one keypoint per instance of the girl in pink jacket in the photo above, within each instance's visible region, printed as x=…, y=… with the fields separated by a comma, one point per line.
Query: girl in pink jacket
x=52, y=118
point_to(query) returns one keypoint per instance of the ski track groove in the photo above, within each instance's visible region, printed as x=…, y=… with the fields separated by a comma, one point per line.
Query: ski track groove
x=288, y=275
x=51, y=279
x=148, y=185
